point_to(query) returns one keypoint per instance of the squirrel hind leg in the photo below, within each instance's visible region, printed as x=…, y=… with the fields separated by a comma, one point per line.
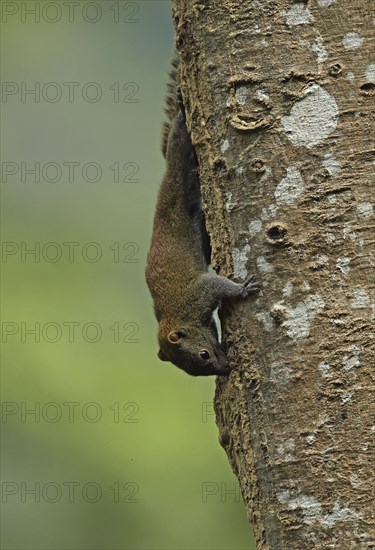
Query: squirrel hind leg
x=181, y=102
x=206, y=241
x=198, y=222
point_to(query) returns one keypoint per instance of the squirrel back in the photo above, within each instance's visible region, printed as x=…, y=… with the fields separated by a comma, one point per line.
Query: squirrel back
x=173, y=106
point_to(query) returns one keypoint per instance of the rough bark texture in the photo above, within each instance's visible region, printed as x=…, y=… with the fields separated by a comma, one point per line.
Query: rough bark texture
x=280, y=101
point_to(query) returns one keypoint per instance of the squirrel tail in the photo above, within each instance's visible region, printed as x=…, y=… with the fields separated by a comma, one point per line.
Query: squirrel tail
x=171, y=101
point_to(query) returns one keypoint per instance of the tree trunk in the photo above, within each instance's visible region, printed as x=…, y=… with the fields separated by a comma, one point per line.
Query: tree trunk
x=280, y=101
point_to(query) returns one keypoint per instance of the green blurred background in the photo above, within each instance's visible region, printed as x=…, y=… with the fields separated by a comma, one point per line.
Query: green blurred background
x=121, y=450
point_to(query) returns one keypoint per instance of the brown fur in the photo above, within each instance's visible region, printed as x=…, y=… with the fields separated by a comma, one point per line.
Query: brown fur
x=184, y=293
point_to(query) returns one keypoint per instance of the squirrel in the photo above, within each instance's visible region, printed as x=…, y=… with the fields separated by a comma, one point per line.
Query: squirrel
x=185, y=294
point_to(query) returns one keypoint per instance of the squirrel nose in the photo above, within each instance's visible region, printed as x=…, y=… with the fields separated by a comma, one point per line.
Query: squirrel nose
x=223, y=370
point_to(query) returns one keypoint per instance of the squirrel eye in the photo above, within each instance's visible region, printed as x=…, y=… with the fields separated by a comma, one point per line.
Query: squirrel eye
x=204, y=354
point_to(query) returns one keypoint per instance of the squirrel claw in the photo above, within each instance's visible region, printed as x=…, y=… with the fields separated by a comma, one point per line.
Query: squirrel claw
x=250, y=286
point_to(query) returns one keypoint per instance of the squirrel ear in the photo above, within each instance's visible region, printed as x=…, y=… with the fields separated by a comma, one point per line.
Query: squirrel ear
x=175, y=336
x=161, y=356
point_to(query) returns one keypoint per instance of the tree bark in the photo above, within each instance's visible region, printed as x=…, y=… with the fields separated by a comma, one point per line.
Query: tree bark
x=280, y=102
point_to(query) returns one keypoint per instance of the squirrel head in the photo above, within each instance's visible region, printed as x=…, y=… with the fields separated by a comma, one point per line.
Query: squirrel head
x=194, y=350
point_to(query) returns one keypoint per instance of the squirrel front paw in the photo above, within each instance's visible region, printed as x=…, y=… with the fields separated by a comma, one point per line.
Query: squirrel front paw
x=250, y=286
